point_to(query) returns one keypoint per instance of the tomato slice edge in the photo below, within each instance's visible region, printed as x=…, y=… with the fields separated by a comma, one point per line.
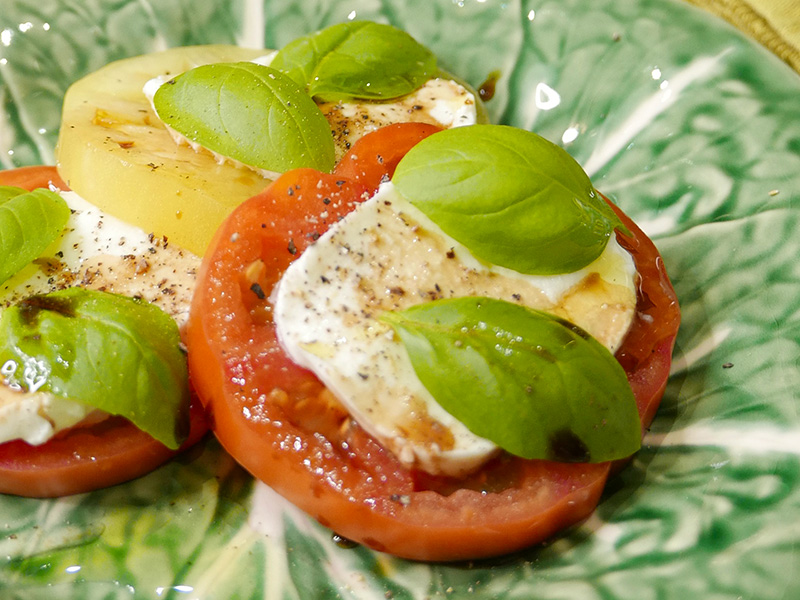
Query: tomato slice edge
x=88, y=458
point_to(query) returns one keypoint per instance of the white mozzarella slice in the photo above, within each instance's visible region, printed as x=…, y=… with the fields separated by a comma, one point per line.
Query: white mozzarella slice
x=95, y=251
x=36, y=416
x=386, y=255
x=441, y=102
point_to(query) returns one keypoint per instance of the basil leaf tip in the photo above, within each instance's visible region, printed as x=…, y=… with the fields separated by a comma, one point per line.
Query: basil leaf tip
x=357, y=59
x=513, y=198
x=29, y=223
x=111, y=352
x=250, y=113
x=535, y=385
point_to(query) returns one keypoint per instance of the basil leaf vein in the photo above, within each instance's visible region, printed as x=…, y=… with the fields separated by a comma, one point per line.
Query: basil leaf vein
x=250, y=113
x=111, y=352
x=511, y=197
x=357, y=59
x=536, y=385
x=29, y=223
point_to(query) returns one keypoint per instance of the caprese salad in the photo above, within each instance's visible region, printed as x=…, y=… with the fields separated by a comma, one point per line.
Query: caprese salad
x=435, y=337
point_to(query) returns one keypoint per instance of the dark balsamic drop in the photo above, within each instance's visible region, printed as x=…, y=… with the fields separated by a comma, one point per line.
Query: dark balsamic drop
x=31, y=307
x=565, y=446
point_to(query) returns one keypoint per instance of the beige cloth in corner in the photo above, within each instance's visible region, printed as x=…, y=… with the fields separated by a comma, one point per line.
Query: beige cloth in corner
x=774, y=23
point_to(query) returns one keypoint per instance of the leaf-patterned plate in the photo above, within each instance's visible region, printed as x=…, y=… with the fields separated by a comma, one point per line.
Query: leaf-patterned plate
x=691, y=128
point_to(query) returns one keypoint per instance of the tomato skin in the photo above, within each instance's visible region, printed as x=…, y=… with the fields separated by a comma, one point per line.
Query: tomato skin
x=274, y=417
x=30, y=178
x=646, y=354
x=379, y=155
x=83, y=458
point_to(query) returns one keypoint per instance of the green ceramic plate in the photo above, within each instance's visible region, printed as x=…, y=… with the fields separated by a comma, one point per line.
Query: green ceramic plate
x=692, y=129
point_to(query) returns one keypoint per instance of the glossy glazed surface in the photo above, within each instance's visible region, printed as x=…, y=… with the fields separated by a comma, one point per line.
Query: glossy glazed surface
x=691, y=128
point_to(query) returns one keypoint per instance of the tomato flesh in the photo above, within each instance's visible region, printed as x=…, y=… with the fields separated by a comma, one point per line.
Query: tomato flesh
x=82, y=458
x=281, y=424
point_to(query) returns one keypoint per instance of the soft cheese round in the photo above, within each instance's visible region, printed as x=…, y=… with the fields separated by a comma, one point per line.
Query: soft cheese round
x=386, y=255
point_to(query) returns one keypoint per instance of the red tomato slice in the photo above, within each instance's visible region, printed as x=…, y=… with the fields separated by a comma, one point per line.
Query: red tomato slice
x=82, y=459
x=281, y=424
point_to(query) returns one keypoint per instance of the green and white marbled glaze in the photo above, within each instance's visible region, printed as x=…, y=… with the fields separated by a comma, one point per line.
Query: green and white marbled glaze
x=692, y=129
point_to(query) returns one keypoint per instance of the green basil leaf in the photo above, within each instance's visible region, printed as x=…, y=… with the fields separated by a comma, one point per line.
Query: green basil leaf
x=29, y=223
x=536, y=385
x=115, y=353
x=250, y=113
x=357, y=59
x=7, y=192
x=511, y=197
